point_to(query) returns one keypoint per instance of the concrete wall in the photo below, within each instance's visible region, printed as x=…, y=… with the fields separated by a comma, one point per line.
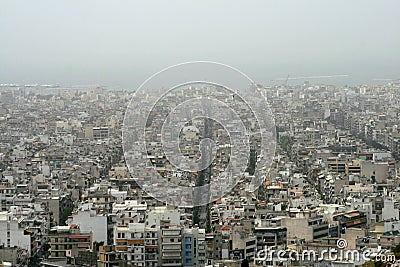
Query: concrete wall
x=351, y=236
x=381, y=170
x=89, y=221
x=298, y=228
x=389, y=211
x=11, y=231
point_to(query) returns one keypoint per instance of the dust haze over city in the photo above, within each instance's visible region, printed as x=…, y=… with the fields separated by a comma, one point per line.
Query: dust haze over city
x=199, y=133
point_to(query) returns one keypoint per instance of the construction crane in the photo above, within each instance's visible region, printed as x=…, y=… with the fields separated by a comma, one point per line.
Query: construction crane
x=308, y=77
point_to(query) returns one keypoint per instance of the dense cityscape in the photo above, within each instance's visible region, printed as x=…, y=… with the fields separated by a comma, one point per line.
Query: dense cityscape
x=67, y=197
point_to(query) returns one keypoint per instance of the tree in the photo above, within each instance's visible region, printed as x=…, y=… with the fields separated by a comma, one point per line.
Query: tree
x=245, y=263
x=97, y=245
x=252, y=162
x=34, y=261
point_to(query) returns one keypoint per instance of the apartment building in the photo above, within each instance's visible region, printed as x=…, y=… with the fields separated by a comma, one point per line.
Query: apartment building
x=67, y=241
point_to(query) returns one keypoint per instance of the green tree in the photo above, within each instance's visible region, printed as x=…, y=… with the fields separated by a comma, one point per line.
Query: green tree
x=251, y=168
x=34, y=261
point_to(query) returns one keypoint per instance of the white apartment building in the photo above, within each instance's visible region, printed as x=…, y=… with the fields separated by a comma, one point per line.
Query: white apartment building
x=11, y=234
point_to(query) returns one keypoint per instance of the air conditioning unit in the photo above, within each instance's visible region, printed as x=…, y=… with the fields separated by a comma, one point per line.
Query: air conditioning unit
x=68, y=253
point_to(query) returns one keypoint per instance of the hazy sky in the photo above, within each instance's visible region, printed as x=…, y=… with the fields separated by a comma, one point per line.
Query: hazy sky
x=123, y=42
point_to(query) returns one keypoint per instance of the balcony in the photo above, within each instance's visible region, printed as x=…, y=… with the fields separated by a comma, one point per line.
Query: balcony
x=121, y=248
x=173, y=246
x=136, y=242
x=171, y=255
x=168, y=233
x=172, y=264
